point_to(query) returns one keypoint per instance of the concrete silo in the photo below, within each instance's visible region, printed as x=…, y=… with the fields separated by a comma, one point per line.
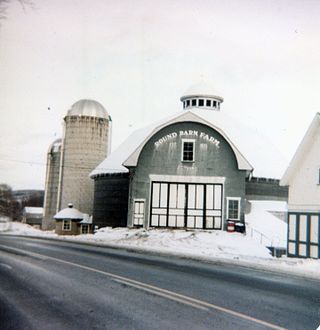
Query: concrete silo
x=86, y=142
x=52, y=184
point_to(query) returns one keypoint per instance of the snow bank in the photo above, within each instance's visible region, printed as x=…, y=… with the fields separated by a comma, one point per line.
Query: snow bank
x=265, y=227
x=18, y=228
x=227, y=247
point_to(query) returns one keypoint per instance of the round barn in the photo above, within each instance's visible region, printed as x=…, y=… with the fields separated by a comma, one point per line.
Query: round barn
x=187, y=171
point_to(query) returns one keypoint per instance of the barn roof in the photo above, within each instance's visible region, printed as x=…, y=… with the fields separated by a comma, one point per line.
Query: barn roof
x=252, y=150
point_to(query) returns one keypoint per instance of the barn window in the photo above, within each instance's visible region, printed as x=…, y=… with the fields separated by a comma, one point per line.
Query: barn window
x=188, y=150
x=233, y=208
x=66, y=225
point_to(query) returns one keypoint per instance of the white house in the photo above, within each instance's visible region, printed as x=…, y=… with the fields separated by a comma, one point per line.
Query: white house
x=303, y=178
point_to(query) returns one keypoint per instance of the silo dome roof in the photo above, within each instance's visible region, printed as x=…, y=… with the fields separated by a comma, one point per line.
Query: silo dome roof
x=55, y=146
x=202, y=89
x=89, y=108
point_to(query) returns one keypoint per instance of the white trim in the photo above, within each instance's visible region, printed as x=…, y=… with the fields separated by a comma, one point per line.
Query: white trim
x=66, y=221
x=239, y=210
x=193, y=150
x=83, y=225
x=144, y=211
x=187, y=179
x=132, y=160
x=313, y=208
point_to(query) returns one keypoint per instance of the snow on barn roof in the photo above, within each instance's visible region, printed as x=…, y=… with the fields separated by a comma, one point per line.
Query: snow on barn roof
x=250, y=147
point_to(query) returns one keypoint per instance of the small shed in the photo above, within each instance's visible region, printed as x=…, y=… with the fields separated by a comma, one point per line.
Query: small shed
x=32, y=216
x=68, y=221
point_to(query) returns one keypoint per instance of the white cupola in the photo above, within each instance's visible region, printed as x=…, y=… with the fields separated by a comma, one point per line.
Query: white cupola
x=203, y=96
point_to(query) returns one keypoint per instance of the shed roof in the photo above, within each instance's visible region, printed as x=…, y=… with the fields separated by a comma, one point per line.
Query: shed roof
x=33, y=210
x=69, y=213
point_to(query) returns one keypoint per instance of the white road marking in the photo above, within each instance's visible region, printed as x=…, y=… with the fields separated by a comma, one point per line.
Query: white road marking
x=161, y=294
x=151, y=288
x=31, y=254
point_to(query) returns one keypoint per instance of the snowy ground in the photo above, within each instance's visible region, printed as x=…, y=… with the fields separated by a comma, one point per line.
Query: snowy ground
x=264, y=226
x=209, y=246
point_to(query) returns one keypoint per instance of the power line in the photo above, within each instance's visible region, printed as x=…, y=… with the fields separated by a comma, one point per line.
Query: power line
x=63, y=166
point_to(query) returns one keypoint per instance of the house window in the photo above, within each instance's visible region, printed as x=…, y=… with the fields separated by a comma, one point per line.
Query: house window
x=201, y=103
x=208, y=103
x=138, y=215
x=214, y=103
x=194, y=103
x=188, y=103
x=84, y=229
x=66, y=225
x=188, y=150
x=233, y=208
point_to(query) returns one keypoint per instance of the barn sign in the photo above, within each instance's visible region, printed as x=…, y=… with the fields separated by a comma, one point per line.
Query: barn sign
x=187, y=134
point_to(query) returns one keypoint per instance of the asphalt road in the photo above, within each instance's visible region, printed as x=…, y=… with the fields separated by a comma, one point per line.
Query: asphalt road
x=58, y=285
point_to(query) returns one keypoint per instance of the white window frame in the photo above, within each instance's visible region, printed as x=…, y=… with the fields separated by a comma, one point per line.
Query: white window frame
x=139, y=200
x=85, y=225
x=238, y=199
x=66, y=222
x=193, y=150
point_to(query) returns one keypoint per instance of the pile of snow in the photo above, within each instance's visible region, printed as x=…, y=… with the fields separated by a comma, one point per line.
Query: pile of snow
x=265, y=227
x=209, y=246
x=18, y=228
x=216, y=244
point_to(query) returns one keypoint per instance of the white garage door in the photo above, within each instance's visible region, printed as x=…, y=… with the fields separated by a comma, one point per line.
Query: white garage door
x=186, y=205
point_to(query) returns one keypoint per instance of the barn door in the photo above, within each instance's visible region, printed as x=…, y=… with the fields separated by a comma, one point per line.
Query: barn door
x=187, y=205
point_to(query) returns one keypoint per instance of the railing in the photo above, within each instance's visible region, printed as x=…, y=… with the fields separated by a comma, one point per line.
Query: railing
x=258, y=236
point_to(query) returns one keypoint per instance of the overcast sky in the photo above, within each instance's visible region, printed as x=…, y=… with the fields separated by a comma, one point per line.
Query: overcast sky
x=138, y=57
